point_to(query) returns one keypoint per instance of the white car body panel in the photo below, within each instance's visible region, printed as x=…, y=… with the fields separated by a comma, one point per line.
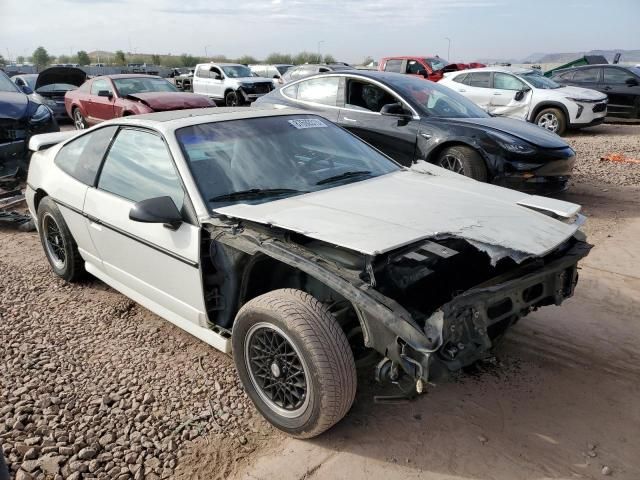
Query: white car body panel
x=216, y=88
x=384, y=213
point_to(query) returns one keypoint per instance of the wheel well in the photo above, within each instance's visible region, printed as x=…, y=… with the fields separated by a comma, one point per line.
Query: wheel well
x=126, y=113
x=544, y=105
x=40, y=194
x=227, y=91
x=264, y=274
x=433, y=155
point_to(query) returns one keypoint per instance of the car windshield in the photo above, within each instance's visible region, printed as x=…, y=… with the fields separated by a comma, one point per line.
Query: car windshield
x=539, y=81
x=635, y=70
x=283, y=68
x=133, y=85
x=237, y=71
x=436, y=100
x=262, y=159
x=436, y=63
x=6, y=85
x=30, y=80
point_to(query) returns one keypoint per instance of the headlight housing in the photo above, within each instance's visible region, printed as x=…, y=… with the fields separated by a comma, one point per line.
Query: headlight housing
x=512, y=144
x=41, y=115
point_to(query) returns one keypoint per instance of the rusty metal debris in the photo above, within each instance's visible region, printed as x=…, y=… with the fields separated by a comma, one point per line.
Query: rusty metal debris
x=11, y=197
x=618, y=158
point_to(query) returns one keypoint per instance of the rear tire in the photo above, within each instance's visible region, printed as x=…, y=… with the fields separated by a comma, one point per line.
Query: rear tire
x=463, y=160
x=59, y=246
x=78, y=120
x=552, y=119
x=294, y=361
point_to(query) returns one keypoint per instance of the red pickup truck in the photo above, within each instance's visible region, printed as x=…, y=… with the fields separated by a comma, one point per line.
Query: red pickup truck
x=431, y=68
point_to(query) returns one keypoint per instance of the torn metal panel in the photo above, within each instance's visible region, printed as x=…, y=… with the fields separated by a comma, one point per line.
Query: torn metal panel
x=387, y=212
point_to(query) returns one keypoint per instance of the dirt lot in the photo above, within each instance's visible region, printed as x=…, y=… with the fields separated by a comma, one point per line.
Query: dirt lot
x=94, y=386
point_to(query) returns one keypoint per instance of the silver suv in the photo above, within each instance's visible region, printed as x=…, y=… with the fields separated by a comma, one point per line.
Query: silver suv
x=232, y=83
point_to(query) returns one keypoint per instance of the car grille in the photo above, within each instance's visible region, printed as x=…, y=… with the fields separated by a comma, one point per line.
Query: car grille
x=600, y=107
x=10, y=131
x=262, y=88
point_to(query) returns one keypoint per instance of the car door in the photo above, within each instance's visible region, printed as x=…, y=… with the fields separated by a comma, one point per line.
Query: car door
x=78, y=162
x=101, y=101
x=414, y=66
x=505, y=99
x=588, y=78
x=216, y=83
x=477, y=88
x=393, y=134
x=200, y=80
x=147, y=261
x=623, y=90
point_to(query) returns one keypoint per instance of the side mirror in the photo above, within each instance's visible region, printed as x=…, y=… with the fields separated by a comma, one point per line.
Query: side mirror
x=217, y=76
x=26, y=89
x=521, y=93
x=157, y=210
x=105, y=93
x=393, y=109
x=631, y=82
x=424, y=73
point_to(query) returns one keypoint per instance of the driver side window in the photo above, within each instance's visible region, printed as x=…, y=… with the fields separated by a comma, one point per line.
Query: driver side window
x=367, y=96
x=414, y=67
x=139, y=166
x=505, y=81
x=216, y=74
x=100, y=85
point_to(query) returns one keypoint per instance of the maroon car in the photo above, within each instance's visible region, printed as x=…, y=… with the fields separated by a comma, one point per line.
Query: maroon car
x=111, y=96
x=431, y=68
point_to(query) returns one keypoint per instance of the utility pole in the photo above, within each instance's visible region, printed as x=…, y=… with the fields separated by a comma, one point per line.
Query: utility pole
x=448, y=49
x=319, y=56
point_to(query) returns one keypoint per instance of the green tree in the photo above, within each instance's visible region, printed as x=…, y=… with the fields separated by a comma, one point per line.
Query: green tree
x=155, y=59
x=63, y=59
x=367, y=60
x=188, y=60
x=279, y=58
x=119, y=58
x=2, y=60
x=41, y=57
x=247, y=60
x=83, y=58
x=19, y=59
x=329, y=59
x=307, y=57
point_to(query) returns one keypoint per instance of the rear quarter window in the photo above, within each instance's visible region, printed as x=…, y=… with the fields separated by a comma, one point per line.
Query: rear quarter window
x=81, y=158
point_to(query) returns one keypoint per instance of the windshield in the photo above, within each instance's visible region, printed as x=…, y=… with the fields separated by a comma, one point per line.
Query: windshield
x=273, y=157
x=7, y=85
x=635, y=70
x=436, y=100
x=133, y=85
x=237, y=71
x=30, y=80
x=538, y=81
x=283, y=68
x=436, y=63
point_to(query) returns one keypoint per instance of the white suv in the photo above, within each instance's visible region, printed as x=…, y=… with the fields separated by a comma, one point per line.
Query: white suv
x=232, y=83
x=527, y=95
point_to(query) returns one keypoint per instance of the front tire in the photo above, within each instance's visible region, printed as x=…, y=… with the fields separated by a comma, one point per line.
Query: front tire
x=232, y=99
x=294, y=361
x=59, y=246
x=552, y=119
x=463, y=160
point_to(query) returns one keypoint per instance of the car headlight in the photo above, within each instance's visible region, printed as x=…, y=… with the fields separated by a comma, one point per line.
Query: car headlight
x=41, y=115
x=512, y=144
x=583, y=100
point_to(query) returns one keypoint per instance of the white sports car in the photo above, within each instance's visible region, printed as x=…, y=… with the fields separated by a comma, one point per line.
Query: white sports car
x=281, y=237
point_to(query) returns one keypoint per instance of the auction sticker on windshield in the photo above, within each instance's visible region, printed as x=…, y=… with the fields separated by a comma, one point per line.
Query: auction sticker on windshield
x=307, y=123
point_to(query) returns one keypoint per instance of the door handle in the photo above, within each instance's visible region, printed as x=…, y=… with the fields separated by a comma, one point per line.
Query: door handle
x=95, y=226
x=426, y=136
x=347, y=119
x=497, y=93
x=462, y=90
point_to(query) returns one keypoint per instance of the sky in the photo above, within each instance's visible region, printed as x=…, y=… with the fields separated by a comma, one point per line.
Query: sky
x=350, y=30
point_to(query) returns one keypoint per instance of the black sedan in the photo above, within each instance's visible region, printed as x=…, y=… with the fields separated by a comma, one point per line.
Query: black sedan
x=412, y=119
x=620, y=83
x=20, y=117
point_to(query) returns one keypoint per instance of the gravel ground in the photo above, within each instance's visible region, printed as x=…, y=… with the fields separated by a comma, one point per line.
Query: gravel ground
x=591, y=144
x=95, y=386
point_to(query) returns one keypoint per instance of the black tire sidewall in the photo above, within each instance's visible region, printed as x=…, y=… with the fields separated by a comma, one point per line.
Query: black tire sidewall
x=473, y=164
x=310, y=416
x=228, y=97
x=67, y=272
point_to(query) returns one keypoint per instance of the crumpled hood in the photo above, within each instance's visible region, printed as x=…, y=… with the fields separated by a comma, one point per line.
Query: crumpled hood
x=160, y=101
x=524, y=130
x=384, y=213
x=69, y=75
x=13, y=105
x=252, y=80
x=577, y=92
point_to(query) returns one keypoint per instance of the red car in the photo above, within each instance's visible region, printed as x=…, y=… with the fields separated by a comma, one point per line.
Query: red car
x=431, y=68
x=111, y=96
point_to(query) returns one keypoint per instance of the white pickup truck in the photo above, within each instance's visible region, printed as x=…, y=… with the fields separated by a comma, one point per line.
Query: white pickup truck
x=231, y=83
